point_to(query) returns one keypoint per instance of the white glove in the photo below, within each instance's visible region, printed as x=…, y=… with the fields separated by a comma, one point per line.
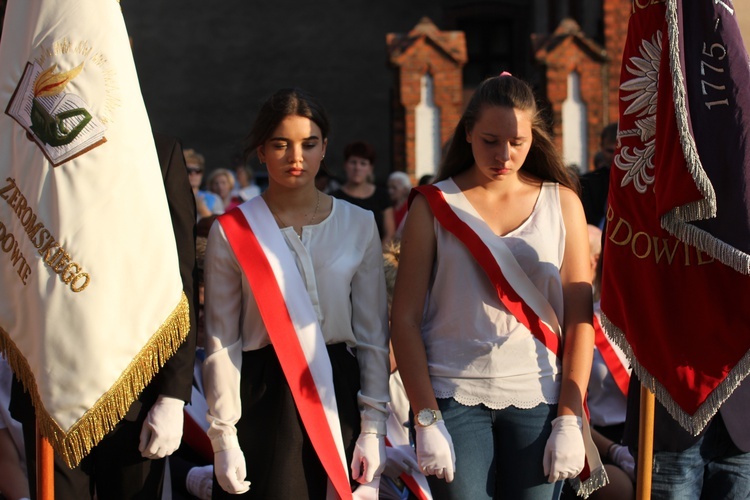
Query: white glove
x=564, y=453
x=200, y=482
x=400, y=459
x=162, y=430
x=231, y=471
x=435, y=451
x=621, y=456
x=369, y=457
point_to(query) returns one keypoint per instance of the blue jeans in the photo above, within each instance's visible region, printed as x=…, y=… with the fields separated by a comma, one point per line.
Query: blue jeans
x=498, y=453
x=713, y=468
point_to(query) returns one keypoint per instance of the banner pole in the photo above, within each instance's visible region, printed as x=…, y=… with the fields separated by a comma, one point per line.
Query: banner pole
x=45, y=467
x=645, y=444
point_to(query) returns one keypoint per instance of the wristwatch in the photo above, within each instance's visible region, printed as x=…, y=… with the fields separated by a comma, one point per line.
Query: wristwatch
x=427, y=417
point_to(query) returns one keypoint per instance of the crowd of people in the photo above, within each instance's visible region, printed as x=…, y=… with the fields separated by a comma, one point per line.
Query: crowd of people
x=401, y=342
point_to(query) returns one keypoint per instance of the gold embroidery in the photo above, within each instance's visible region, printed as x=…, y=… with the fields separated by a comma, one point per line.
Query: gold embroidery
x=53, y=254
x=9, y=245
x=642, y=245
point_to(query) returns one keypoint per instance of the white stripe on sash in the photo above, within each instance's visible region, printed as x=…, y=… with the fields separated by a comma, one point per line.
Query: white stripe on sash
x=512, y=271
x=300, y=309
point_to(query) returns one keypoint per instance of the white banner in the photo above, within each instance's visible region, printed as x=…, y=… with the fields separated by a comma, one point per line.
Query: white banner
x=91, y=301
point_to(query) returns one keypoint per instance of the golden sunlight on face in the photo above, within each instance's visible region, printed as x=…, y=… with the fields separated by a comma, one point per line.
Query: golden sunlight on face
x=500, y=140
x=294, y=151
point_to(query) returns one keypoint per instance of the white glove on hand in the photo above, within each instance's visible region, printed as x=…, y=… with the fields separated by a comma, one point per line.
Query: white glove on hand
x=162, y=430
x=231, y=471
x=400, y=459
x=564, y=453
x=369, y=457
x=435, y=451
x=621, y=456
x=200, y=482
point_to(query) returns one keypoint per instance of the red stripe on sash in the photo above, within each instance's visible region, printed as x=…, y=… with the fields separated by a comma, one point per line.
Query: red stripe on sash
x=614, y=365
x=278, y=323
x=409, y=481
x=505, y=292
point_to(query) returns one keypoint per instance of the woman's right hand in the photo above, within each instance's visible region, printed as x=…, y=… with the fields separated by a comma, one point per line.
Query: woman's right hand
x=435, y=451
x=230, y=470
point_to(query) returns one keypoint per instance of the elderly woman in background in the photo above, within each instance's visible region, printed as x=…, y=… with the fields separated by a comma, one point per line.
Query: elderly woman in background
x=399, y=186
x=221, y=182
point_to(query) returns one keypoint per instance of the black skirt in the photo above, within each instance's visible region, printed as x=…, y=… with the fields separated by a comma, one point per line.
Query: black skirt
x=281, y=461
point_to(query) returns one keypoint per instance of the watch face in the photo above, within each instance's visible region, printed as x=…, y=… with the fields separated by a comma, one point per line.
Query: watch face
x=426, y=417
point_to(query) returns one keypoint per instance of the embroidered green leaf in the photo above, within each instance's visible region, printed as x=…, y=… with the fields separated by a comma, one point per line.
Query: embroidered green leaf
x=50, y=83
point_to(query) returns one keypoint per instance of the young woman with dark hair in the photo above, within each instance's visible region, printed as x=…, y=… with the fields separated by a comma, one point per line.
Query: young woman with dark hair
x=296, y=372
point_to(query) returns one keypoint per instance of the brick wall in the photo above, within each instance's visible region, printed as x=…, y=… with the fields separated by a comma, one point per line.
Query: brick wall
x=568, y=50
x=616, y=15
x=425, y=49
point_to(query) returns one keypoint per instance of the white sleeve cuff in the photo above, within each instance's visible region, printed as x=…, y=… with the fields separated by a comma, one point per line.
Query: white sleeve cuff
x=225, y=442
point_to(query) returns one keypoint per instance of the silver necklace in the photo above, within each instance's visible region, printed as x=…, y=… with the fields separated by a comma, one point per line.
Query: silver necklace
x=309, y=221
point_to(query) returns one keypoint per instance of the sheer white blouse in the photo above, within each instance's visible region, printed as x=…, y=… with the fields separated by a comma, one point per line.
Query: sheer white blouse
x=477, y=351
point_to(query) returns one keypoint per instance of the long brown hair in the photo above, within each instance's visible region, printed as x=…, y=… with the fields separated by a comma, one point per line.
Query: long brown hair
x=543, y=161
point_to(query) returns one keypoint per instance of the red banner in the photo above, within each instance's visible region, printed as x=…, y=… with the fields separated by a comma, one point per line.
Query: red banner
x=675, y=279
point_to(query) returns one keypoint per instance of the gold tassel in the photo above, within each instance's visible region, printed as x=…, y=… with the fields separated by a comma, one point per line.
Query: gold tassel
x=113, y=405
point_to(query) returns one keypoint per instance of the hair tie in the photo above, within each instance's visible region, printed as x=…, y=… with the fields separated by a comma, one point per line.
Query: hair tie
x=505, y=73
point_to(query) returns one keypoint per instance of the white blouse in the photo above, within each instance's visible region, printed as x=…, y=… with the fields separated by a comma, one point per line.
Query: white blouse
x=341, y=263
x=477, y=351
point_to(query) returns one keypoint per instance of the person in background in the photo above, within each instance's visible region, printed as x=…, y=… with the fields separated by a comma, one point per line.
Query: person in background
x=245, y=188
x=595, y=184
x=498, y=401
x=221, y=183
x=206, y=202
x=399, y=187
x=359, y=188
x=318, y=259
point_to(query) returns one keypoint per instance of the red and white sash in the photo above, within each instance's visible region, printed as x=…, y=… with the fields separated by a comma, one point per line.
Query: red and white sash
x=292, y=325
x=513, y=287
x=515, y=290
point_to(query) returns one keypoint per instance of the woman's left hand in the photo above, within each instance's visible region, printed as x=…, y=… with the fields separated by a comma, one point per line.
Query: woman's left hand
x=564, y=453
x=369, y=457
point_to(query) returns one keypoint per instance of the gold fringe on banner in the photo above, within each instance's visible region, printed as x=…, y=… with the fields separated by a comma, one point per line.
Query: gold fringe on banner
x=113, y=405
